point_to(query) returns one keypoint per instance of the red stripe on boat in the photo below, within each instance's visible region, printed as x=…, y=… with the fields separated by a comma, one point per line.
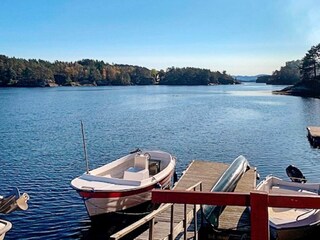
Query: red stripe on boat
x=93, y=194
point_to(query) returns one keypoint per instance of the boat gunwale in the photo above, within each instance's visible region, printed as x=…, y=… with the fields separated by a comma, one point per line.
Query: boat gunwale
x=131, y=184
x=123, y=192
x=275, y=181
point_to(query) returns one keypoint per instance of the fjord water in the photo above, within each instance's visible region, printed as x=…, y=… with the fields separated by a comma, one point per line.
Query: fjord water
x=41, y=144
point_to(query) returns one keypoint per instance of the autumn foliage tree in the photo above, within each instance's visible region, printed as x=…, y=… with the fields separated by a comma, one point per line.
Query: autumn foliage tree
x=39, y=73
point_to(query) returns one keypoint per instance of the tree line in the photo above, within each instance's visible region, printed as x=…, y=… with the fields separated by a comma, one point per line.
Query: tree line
x=304, y=70
x=16, y=72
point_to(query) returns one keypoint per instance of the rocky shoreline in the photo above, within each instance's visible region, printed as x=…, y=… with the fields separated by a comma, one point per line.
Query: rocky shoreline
x=303, y=89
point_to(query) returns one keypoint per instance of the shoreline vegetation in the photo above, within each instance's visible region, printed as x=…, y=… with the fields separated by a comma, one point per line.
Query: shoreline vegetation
x=17, y=72
x=302, y=76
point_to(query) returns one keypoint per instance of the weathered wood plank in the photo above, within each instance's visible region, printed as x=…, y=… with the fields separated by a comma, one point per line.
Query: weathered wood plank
x=314, y=131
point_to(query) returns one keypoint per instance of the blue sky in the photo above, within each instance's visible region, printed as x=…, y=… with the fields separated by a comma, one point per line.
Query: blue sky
x=244, y=37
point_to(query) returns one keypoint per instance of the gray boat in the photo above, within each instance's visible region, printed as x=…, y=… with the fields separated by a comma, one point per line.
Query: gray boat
x=226, y=183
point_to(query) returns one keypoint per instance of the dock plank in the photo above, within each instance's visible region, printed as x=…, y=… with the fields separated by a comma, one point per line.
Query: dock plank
x=314, y=136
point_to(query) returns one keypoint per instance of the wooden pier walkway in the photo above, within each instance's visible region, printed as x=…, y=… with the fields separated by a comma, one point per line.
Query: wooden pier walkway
x=314, y=136
x=235, y=218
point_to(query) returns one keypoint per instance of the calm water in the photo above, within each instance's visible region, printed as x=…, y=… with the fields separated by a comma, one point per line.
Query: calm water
x=41, y=148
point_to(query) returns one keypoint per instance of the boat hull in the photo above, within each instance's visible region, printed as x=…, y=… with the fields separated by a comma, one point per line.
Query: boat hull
x=98, y=206
x=98, y=203
x=5, y=226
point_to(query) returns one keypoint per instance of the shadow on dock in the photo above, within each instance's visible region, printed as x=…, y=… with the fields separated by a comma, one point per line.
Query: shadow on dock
x=240, y=232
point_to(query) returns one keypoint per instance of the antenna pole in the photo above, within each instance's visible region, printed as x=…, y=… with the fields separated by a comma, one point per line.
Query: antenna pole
x=84, y=147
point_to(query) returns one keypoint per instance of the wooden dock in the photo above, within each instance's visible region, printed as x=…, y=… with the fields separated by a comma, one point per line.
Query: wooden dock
x=232, y=219
x=314, y=136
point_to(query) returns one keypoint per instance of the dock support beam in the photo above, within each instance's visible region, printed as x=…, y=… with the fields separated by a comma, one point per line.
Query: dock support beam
x=259, y=215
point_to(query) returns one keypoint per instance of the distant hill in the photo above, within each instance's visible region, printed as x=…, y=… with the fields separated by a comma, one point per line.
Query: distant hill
x=16, y=72
x=287, y=75
x=248, y=78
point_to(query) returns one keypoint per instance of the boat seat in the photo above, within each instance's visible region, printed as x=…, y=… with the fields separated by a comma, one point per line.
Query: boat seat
x=136, y=174
x=141, y=161
x=140, y=169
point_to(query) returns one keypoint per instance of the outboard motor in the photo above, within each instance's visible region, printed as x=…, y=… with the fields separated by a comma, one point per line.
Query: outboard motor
x=295, y=174
x=14, y=201
x=137, y=150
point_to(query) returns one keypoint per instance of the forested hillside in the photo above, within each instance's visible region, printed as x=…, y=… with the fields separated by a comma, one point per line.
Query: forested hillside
x=15, y=72
x=308, y=84
x=306, y=69
x=287, y=75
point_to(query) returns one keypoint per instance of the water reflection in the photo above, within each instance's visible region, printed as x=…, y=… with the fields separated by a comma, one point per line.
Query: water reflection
x=103, y=226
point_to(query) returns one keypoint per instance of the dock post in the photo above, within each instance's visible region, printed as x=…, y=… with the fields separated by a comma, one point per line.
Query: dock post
x=259, y=215
x=171, y=222
x=201, y=208
x=151, y=226
x=195, y=218
x=185, y=221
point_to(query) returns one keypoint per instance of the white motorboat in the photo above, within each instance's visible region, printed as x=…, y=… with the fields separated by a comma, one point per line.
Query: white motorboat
x=291, y=223
x=126, y=182
x=5, y=226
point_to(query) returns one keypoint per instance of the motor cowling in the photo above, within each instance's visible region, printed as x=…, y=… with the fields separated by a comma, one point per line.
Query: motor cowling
x=295, y=174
